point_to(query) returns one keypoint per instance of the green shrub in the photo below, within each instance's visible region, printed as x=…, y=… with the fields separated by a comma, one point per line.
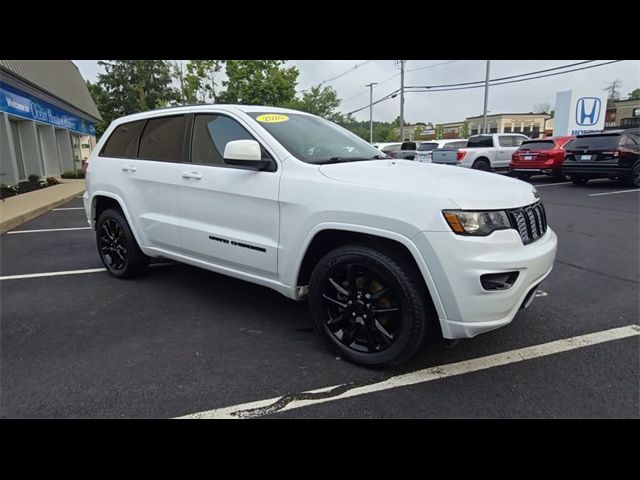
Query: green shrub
x=72, y=174
x=34, y=178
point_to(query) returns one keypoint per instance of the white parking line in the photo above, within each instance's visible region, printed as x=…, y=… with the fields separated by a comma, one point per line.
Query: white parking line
x=339, y=392
x=67, y=208
x=69, y=272
x=551, y=184
x=48, y=230
x=52, y=274
x=613, y=193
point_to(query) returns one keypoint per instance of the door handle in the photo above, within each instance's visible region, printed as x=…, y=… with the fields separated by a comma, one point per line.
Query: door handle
x=194, y=175
x=129, y=168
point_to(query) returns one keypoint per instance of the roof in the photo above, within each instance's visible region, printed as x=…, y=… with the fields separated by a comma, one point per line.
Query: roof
x=519, y=114
x=207, y=107
x=59, y=78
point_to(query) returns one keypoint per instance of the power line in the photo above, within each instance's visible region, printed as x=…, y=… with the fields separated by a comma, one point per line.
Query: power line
x=504, y=78
x=430, y=89
x=463, y=86
x=397, y=74
x=341, y=75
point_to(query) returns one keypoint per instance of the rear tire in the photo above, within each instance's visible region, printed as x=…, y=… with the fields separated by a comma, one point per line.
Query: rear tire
x=483, y=165
x=524, y=176
x=368, y=306
x=117, y=246
x=561, y=177
x=579, y=180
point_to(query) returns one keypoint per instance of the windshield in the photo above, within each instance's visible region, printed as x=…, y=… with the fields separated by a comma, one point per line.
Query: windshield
x=316, y=140
x=427, y=147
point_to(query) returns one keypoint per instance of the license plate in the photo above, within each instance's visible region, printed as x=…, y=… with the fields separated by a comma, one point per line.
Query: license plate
x=585, y=157
x=528, y=157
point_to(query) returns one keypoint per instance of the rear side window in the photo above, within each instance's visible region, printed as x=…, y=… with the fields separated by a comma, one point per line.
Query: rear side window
x=538, y=145
x=163, y=139
x=480, y=141
x=517, y=140
x=506, y=141
x=124, y=140
x=427, y=147
x=596, y=142
x=408, y=146
x=460, y=144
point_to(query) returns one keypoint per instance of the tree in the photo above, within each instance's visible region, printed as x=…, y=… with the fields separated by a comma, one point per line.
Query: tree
x=439, y=132
x=258, y=82
x=130, y=86
x=543, y=107
x=319, y=101
x=99, y=97
x=614, y=90
x=635, y=95
x=464, y=131
x=418, y=130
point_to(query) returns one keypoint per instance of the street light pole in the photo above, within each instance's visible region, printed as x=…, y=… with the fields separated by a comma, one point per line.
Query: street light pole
x=371, y=110
x=486, y=98
x=402, y=100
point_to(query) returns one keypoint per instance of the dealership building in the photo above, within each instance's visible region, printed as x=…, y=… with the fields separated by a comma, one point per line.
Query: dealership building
x=47, y=119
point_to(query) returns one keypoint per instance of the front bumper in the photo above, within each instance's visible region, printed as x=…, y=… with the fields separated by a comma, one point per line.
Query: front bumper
x=456, y=263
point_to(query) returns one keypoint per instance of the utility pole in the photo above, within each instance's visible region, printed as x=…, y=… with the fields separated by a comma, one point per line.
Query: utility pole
x=371, y=110
x=402, y=62
x=486, y=98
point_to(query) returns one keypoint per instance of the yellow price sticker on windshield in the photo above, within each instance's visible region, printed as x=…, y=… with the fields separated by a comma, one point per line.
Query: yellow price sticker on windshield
x=272, y=118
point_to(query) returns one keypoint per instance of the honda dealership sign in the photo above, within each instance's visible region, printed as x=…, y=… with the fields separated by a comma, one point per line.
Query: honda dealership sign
x=578, y=112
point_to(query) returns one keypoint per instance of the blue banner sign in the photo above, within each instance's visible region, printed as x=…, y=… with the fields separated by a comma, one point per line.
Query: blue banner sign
x=18, y=103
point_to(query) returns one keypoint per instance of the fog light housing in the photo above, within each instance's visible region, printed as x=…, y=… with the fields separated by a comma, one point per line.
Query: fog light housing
x=498, y=281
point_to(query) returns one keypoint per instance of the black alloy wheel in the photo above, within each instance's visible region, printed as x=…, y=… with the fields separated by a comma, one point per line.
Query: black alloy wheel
x=117, y=246
x=370, y=307
x=635, y=179
x=363, y=310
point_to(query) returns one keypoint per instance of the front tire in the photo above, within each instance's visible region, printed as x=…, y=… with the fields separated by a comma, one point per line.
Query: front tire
x=117, y=246
x=368, y=306
x=634, y=181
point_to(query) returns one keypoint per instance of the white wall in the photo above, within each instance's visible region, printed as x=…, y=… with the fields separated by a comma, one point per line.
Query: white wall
x=8, y=166
x=49, y=150
x=30, y=151
x=65, y=152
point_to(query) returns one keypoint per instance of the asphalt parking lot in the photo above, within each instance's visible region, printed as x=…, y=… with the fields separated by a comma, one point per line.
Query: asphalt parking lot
x=181, y=341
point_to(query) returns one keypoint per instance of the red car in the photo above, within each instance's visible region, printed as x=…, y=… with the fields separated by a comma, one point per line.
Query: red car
x=539, y=156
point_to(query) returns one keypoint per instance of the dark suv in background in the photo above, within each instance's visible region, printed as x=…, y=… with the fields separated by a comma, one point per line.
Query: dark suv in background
x=609, y=154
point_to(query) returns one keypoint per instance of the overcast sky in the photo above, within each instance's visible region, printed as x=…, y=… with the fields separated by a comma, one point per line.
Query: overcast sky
x=440, y=107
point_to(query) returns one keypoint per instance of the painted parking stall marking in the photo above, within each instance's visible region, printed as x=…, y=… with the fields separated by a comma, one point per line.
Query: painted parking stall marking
x=13, y=232
x=67, y=208
x=614, y=193
x=69, y=272
x=338, y=392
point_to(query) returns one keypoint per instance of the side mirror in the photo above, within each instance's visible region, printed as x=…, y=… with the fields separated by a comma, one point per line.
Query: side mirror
x=245, y=153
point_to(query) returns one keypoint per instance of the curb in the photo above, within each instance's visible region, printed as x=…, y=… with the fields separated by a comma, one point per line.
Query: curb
x=12, y=223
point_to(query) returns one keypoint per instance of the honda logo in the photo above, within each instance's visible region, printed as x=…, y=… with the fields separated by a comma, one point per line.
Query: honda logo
x=588, y=111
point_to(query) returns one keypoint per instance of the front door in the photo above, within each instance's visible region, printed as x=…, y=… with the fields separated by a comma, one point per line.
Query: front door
x=230, y=215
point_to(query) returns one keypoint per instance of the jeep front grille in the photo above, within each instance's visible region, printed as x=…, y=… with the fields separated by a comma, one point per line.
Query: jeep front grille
x=529, y=221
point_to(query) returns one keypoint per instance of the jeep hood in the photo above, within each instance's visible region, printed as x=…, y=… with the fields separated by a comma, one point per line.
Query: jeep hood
x=469, y=189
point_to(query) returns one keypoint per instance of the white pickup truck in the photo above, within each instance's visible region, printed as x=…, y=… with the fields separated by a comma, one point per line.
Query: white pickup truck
x=483, y=152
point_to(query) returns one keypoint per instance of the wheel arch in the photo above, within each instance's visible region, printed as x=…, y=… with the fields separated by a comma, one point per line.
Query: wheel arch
x=326, y=237
x=100, y=201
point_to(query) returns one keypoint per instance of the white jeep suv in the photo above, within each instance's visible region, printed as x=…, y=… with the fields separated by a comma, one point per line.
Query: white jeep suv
x=293, y=202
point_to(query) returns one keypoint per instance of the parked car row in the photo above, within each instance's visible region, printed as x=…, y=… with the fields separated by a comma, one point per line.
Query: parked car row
x=607, y=154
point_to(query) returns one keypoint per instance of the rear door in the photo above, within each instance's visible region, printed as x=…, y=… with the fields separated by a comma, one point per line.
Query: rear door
x=230, y=214
x=141, y=160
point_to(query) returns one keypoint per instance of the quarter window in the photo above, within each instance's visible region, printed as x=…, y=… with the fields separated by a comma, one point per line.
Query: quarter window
x=506, y=141
x=163, y=139
x=124, y=140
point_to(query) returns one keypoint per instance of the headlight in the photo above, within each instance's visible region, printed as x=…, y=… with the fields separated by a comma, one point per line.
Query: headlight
x=476, y=223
